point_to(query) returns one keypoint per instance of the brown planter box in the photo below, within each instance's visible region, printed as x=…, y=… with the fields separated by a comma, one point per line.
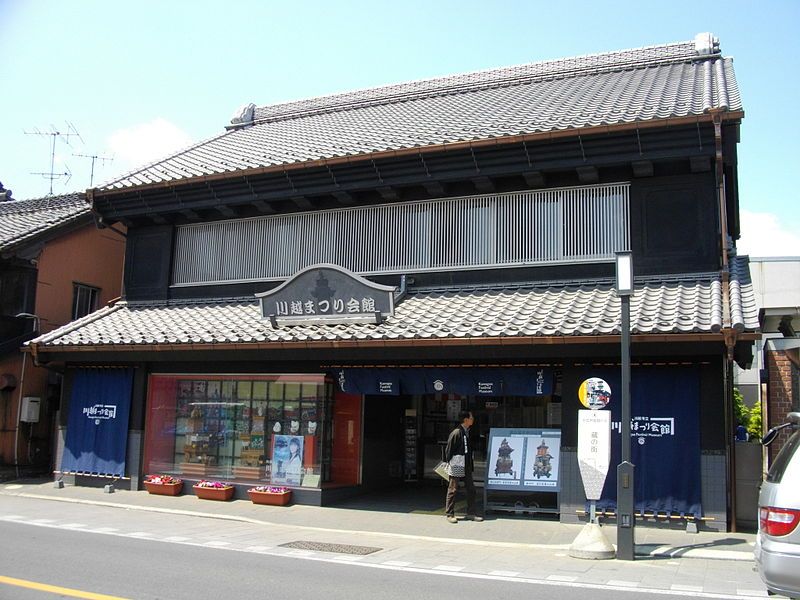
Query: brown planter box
x=164, y=489
x=205, y=493
x=270, y=498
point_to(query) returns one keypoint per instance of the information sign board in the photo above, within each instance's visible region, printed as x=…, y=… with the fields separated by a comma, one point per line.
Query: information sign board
x=523, y=460
x=594, y=450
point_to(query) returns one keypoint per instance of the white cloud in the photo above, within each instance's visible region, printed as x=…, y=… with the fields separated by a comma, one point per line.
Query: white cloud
x=764, y=234
x=144, y=143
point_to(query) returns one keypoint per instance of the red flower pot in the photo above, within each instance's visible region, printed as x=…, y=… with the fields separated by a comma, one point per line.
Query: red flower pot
x=207, y=493
x=280, y=499
x=164, y=489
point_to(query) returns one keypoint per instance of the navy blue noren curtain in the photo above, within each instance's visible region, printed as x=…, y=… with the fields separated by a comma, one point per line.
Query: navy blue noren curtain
x=665, y=438
x=97, y=426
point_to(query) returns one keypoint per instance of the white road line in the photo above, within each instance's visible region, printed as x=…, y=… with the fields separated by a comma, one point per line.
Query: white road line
x=258, y=548
x=623, y=583
x=504, y=573
x=176, y=538
x=300, y=553
x=105, y=530
x=449, y=568
x=348, y=558
x=396, y=563
x=140, y=534
x=42, y=521
x=561, y=578
x=762, y=593
x=74, y=525
x=216, y=543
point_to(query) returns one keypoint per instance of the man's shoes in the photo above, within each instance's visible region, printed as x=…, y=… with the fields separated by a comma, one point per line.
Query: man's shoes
x=475, y=518
x=452, y=519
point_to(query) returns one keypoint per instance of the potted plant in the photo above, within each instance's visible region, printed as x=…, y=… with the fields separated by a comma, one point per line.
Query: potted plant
x=164, y=485
x=267, y=494
x=214, y=490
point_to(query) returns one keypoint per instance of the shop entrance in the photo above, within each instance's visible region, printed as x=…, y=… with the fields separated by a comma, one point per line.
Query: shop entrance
x=439, y=416
x=404, y=436
x=397, y=425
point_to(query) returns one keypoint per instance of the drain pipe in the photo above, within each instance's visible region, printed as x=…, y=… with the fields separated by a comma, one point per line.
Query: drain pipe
x=721, y=199
x=21, y=391
x=19, y=413
x=729, y=334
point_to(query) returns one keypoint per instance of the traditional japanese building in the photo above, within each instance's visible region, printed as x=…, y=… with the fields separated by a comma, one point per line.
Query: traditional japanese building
x=55, y=266
x=347, y=272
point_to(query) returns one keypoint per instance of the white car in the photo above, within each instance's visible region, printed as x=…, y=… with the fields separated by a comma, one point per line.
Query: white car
x=777, y=550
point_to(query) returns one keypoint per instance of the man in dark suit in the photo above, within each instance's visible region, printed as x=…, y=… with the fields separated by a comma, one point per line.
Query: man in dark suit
x=458, y=445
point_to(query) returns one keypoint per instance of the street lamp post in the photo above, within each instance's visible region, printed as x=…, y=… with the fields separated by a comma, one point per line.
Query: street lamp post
x=626, y=520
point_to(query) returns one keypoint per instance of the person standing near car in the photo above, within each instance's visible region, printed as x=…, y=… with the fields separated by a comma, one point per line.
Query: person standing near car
x=458, y=445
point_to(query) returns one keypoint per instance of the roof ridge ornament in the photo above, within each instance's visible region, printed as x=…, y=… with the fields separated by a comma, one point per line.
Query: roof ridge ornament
x=244, y=115
x=705, y=44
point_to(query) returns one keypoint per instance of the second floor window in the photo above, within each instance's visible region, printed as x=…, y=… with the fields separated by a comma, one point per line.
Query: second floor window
x=84, y=300
x=529, y=227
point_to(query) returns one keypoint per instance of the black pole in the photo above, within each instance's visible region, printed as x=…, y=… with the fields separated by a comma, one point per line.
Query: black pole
x=626, y=518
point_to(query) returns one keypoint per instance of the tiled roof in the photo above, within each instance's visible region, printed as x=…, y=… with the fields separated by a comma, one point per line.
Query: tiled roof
x=614, y=88
x=21, y=221
x=687, y=304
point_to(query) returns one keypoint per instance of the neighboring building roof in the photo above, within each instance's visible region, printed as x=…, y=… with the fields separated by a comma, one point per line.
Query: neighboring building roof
x=685, y=79
x=681, y=304
x=25, y=221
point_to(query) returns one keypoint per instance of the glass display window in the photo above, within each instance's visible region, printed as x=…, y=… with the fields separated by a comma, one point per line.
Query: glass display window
x=248, y=428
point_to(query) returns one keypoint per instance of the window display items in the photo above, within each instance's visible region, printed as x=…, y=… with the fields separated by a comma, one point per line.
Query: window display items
x=287, y=459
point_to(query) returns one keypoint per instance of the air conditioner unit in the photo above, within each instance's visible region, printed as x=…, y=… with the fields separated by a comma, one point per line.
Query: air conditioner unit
x=30, y=409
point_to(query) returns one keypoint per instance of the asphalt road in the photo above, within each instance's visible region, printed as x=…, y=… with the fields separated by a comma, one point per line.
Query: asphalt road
x=84, y=564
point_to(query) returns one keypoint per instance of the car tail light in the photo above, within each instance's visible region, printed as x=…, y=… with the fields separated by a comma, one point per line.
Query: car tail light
x=778, y=521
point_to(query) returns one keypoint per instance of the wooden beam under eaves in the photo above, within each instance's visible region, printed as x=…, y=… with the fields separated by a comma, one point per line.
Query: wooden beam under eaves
x=345, y=198
x=642, y=168
x=226, y=211
x=158, y=219
x=588, y=174
x=190, y=214
x=534, y=179
x=483, y=185
x=263, y=207
x=388, y=193
x=302, y=202
x=434, y=188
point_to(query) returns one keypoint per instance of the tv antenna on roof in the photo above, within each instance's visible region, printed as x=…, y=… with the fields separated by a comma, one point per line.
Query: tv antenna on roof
x=54, y=135
x=95, y=157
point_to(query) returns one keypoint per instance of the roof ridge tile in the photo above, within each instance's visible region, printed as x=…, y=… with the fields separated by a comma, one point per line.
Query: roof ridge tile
x=567, y=67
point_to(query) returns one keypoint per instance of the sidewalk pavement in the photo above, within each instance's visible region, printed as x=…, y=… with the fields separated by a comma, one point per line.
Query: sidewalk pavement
x=670, y=560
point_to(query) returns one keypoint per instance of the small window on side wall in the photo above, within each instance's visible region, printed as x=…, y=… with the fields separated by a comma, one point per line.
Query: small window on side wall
x=84, y=300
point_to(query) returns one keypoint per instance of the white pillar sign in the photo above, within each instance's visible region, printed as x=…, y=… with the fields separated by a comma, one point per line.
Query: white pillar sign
x=594, y=450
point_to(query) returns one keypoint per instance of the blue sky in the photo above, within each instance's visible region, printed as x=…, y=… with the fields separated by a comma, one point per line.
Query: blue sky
x=140, y=79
